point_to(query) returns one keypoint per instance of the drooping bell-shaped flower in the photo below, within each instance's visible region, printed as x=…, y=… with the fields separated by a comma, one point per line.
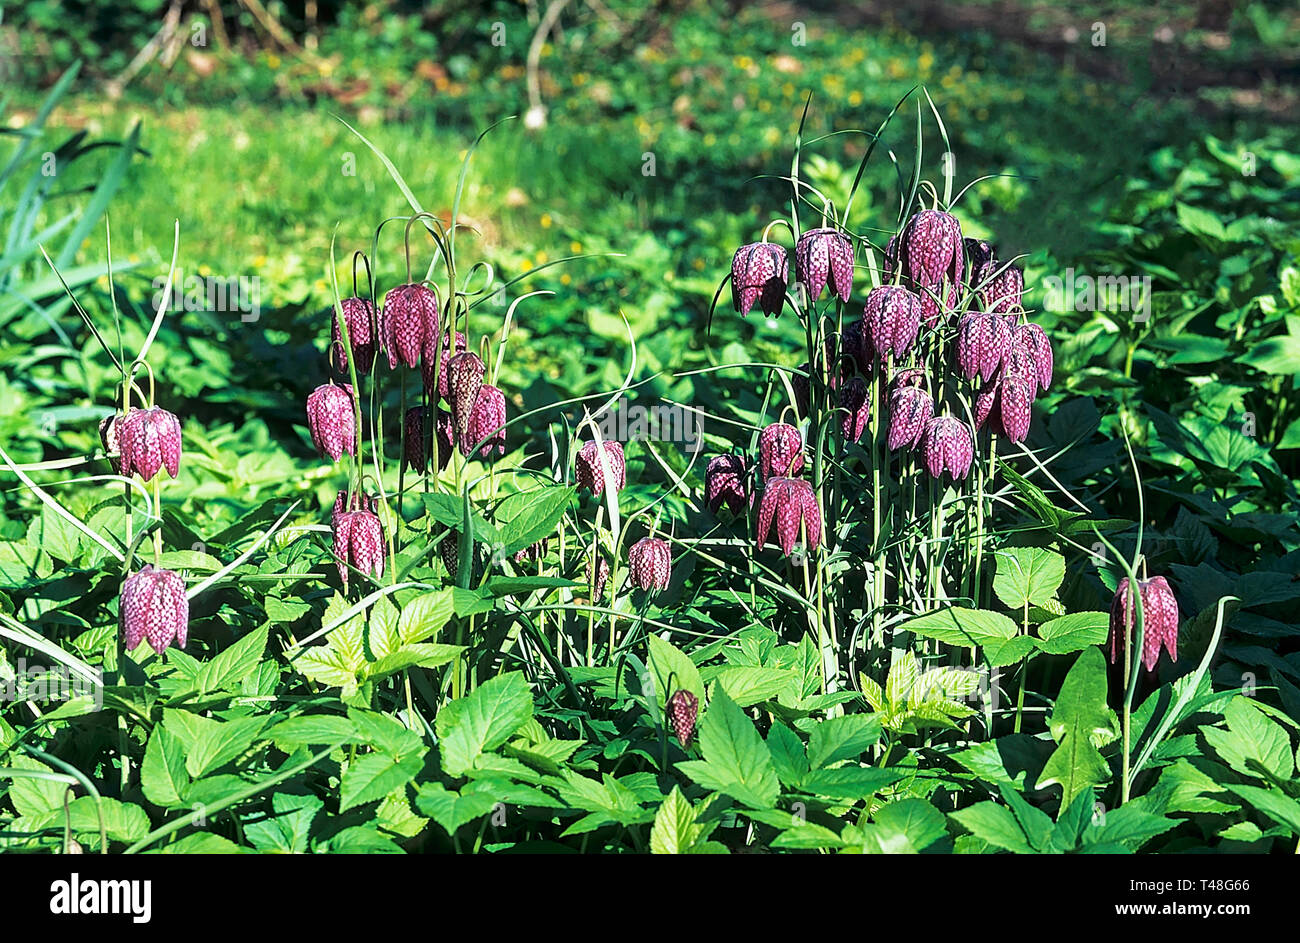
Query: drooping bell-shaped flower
x=1032, y=339
x=149, y=440
x=487, y=423
x=947, y=445
x=416, y=454
x=359, y=542
x=982, y=342
x=1159, y=620
x=725, y=482
x=598, y=464
x=931, y=253
x=892, y=318
x=792, y=503
x=1007, y=405
x=821, y=257
x=464, y=380
x=108, y=437
x=431, y=357
x=650, y=564
x=331, y=420
x=759, y=274
x=408, y=323
x=857, y=352
x=597, y=576
x=683, y=708
x=532, y=553
x=856, y=400
x=910, y=409
x=1000, y=286
x=153, y=607
x=359, y=318
x=780, y=450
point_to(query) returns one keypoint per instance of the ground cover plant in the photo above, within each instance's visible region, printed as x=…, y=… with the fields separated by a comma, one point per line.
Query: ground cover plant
x=912, y=539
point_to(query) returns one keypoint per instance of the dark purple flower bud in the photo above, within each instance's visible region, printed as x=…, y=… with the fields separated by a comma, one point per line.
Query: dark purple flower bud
x=982, y=342
x=683, y=708
x=409, y=323
x=153, y=606
x=793, y=505
x=532, y=554
x=149, y=440
x=1000, y=286
x=892, y=318
x=595, y=470
x=890, y=262
x=822, y=256
x=802, y=386
x=1159, y=620
x=931, y=252
x=487, y=421
x=979, y=251
x=725, y=481
x=856, y=350
x=780, y=450
x=947, y=445
x=650, y=564
x=359, y=542
x=331, y=421
x=359, y=316
x=759, y=273
x=597, y=576
x=855, y=398
x=417, y=445
x=910, y=409
x=108, y=437
x=464, y=380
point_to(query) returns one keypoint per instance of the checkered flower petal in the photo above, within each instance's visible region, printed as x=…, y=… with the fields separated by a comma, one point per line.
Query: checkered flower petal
x=725, y=483
x=780, y=450
x=759, y=274
x=149, y=440
x=892, y=319
x=855, y=398
x=594, y=472
x=487, y=422
x=359, y=316
x=409, y=320
x=947, y=445
x=1159, y=619
x=982, y=342
x=821, y=257
x=153, y=607
x=931, y=252
x=650, y=564
x=683, y=708
x=465, y=374
x=331, y=420
x=790, y=503
x=910, y=409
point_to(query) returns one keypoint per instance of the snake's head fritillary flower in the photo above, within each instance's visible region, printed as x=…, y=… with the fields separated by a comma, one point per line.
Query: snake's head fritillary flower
x=417, y=445
x=726, y=482
x=598, y=464
x=1159, y=620
x=947, y=445
x=982, y=342
x=331, y=421
x=910, y=409
x=931, y=253
x=487, y=423
x=359, y=542
x=533, y=553
x=979, y=251
x=597, y=576
x=856, y=350
x=650, y=564
x=408, y=323
x=153, y=607
x=821, y=257
x=780, y=450
x=792, y=504
x=856, y=400
x=759, y=274
x=359, y=318
x=432, y=357
x=891, y=319
x=1000, y=286
x=149, y=440
x=683, y=709
x=108, y=437
x=465, y=374
x=1032, y=340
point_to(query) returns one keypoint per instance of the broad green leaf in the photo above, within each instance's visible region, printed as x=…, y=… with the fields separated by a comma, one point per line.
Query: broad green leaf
x=162, y=775
x=309, y=729
x=374, y=776
x=33, y=796
x=788, y=756
x=736, y=760
x=234, y=664
x=288, y=829
x=674, y=831
x=668, y=662
x=424, y=616
x=849, y=782
x=1074, y=632
x=450, y=809
x=210, y=744
x=963, y=627
x=994, y=824
x=482, y=720
x=748, y=685
x=842, y=738
x=1278, y=806
x=531, y=516
x=1252, y=742
x=1027, y=574
x=1079, y=719
x=907, y=826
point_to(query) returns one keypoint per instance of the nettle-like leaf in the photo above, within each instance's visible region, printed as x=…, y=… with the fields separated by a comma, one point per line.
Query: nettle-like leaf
x=736, y=760
x=1252, y=745
x=677, y=829
x=912, y=699
x=1080, y=722
x=482, y=720
x=668, y=663
x=1028, y=575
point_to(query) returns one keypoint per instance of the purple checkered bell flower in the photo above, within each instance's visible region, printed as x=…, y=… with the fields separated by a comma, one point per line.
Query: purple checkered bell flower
x=947, y=445
x=650, y=564
x=415, y=453
x=725, y=482
x=982, y=342
x=359, y=318
x=359, y=542
x=910, y=409
x=1007, y=405
x=760, y=272
x=465, y=374
x=108, y=437
x=149, y=440
x=331, y=420
x=1032, y=340
x=792, y=503
x=408, y=323
x=487, y=422
x=780, y=450
x=594, y=472
x=683, y=708
x=1000, y=286
x=1159, y=620
x=431, y=356
x=931, y=252
x=892, y=318
x=824, y=256
x=153, y=607
x=856, y=400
